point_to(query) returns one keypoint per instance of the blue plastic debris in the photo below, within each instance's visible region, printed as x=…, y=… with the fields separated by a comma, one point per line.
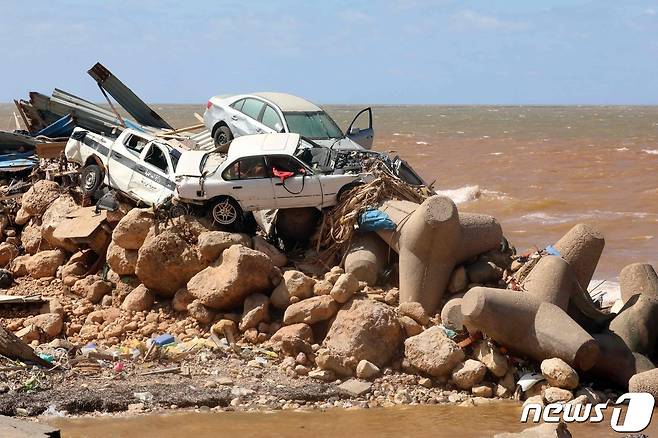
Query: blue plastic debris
x=551, y=250
x=164, y=339
x=373, y=220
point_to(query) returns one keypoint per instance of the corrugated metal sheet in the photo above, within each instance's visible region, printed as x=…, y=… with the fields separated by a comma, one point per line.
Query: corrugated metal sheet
x=126, y=98
x=203, y=140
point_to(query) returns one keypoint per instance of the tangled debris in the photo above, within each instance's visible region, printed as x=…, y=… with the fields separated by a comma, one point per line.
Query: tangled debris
x=339, y=224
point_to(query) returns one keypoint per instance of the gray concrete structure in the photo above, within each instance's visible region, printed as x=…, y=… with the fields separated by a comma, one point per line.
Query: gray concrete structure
x=638, y=278
x=617, y=363
x=637, y=324
x=581, y=248
x=552, y=281
x=366, y=257
x=431, y=238
x=524, y=324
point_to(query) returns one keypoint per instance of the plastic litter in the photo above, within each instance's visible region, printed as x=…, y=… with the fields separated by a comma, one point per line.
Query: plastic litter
x=47, y=357
x=145, y=397
x=164, y=339
x=373, y=220
x=551, y=250
x=528, y=380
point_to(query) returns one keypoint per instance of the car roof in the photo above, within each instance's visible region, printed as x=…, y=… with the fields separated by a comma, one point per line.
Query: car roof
x=288, y=102
x=263, y=144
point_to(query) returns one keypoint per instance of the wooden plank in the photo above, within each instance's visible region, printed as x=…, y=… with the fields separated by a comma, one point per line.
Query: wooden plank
x=20, y=299
x=50, y=150
x=15, y=348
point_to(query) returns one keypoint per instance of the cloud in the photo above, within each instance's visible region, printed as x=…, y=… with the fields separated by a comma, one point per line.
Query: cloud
x=650, y=11
x=467, y=19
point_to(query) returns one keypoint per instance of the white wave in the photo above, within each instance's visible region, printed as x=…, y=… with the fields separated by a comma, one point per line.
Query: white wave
x=462, y=194
x=650, y=151
x=621, y=149
x=422, y=142
x=496, y=153
x=548, y=219
x=605, y=291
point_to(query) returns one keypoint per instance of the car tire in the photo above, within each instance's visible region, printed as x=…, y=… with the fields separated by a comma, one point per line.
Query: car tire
x=91, y=179
x=222, y=138
x=226, y=212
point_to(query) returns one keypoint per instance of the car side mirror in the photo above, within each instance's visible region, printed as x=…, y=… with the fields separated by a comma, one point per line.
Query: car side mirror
x=278, y=127
x=354, y=130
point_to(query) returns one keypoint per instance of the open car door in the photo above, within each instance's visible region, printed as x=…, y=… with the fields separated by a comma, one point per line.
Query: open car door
x=360, y=130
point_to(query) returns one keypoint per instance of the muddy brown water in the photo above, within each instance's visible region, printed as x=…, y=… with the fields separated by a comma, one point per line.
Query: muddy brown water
x=412, y=421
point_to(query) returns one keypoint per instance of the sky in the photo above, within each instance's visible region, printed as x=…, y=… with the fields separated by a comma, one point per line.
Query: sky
x=376, y=51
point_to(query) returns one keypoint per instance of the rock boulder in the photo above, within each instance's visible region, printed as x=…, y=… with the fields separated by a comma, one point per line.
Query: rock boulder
x=166, y=262
x=364, y=329
x=240, y=272
x=432, y=352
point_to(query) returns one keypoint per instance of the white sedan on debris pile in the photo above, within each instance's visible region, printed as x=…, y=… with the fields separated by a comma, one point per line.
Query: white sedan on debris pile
x=265, y=172
x=229, y=117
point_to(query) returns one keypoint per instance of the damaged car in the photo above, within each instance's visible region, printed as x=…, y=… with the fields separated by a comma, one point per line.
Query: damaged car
x=140, y=166
x=229, y=117
x=269, y=171
x=259, y=172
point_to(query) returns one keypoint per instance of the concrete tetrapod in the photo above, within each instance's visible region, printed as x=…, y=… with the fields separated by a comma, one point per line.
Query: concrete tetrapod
x=637, y=324
x=638, y=278
x=366, y=257
x=617, y=363
x=552, y=281
x=429, y=239
x=646, y=381
x=528, y=326
x=581, y=248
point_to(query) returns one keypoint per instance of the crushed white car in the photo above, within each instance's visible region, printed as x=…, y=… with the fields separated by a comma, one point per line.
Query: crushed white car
x=229, y=117
x=269, y=171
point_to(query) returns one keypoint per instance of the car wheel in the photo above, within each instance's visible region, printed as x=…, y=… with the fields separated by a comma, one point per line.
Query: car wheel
x=223, y=137
x=226, y=212
x=91, y=178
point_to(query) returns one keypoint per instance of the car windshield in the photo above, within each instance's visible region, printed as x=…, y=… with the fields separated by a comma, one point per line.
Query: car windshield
x=313, y=125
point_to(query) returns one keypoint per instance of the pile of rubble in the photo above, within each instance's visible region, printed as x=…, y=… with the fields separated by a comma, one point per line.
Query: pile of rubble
x=464, y=312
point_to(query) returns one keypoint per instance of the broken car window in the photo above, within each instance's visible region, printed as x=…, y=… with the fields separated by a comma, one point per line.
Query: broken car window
x=157, y=158
x=135, y=143
x=252, y=108
x=246, y=168
x=285, y=164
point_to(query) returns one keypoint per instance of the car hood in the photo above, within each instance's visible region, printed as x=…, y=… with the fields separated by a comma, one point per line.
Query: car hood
x=344, y=143
x=189, y=163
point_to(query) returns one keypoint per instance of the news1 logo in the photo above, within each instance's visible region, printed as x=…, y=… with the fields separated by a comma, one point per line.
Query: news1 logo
x=638, y=412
